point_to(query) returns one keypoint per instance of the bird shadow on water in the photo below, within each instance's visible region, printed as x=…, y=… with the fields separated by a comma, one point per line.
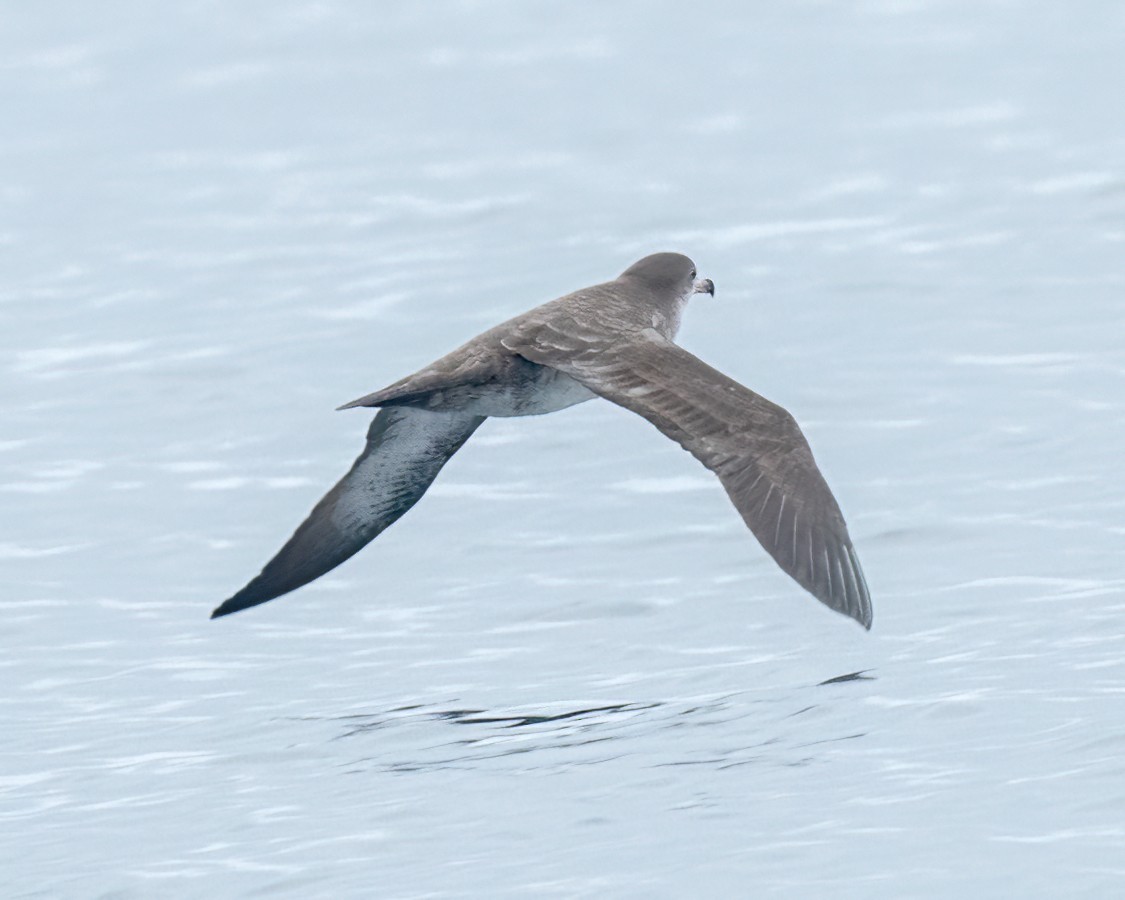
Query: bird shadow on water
x=788, y=728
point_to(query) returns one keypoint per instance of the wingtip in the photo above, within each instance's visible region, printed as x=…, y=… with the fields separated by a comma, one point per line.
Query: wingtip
x=861, y=616
x=860, y=613
x=855, y=603
x=244, y=599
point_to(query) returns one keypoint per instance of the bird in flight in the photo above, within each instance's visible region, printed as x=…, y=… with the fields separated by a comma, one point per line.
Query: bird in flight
x=613, y=340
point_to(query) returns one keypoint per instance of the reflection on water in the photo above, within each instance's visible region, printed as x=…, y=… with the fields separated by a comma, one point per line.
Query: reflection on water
x=570, y=671
x=566, y=735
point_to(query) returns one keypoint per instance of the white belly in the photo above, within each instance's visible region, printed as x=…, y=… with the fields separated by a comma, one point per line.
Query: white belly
x=547, y=392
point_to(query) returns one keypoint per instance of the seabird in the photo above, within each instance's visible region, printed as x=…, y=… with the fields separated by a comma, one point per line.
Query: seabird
x=612, y=340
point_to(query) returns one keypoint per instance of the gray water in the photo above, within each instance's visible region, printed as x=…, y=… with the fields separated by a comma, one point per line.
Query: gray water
x=570, y=671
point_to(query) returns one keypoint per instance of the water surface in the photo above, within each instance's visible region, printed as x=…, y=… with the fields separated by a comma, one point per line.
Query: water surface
x=570, y=671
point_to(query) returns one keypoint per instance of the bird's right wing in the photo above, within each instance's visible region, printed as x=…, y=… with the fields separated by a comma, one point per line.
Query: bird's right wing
x=406, y=448
x=754, y=446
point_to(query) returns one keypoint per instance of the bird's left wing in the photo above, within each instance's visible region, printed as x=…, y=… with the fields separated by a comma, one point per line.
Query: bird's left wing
x=754, y=446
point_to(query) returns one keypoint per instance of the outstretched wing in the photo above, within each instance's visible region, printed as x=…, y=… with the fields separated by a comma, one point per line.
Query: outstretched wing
x=406, y=449
x=753, y=445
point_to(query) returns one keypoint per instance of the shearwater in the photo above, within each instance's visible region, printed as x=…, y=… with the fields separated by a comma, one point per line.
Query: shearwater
x=612, y=340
